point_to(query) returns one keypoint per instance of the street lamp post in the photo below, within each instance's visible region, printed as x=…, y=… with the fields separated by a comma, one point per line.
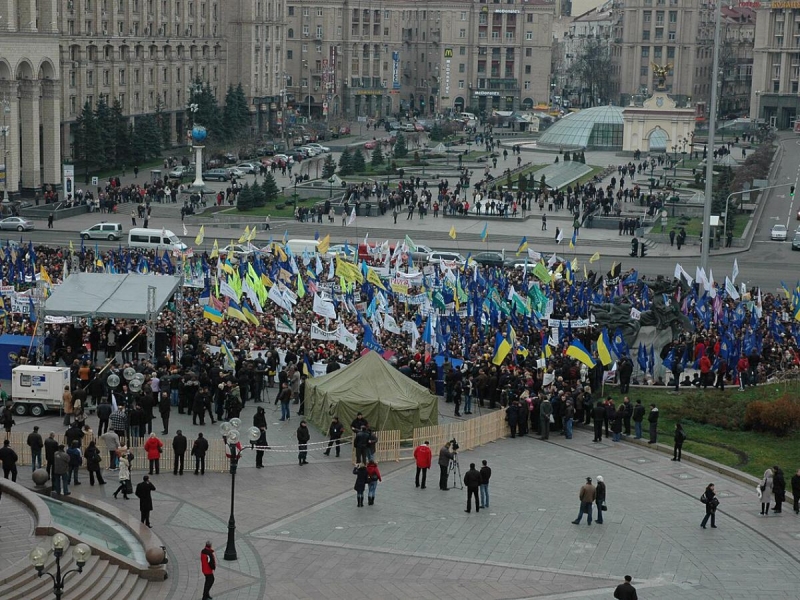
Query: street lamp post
x=759, y=189
x=4, y=131
x=331, y=180
x=230, y=435
x=60, y=542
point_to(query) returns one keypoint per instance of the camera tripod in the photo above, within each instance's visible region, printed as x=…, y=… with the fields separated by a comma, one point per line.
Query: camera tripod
x=455, y=469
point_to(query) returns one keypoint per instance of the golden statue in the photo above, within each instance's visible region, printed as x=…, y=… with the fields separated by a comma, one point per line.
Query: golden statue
x=661, y=73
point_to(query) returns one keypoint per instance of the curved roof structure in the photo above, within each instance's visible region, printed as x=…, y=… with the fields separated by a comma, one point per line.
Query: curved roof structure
x=597, y=127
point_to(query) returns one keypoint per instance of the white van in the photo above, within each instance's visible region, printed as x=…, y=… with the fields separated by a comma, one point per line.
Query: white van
x=299, y=246
x=154, y=239
x=36, y=389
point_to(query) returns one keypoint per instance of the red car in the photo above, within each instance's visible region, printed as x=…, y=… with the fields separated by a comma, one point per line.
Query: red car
x=370, y=145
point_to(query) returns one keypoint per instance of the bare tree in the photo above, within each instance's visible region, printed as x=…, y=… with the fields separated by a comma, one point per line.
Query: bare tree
x=592, y=71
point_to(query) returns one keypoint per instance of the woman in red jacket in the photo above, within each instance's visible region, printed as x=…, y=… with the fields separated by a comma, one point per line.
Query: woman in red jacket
x=423, y=456
x=373, y=477
x=153, y=446
x=208, y=563
x=705, y=371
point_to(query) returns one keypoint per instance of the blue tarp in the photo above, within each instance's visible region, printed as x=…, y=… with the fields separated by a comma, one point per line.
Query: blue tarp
x=11, y=343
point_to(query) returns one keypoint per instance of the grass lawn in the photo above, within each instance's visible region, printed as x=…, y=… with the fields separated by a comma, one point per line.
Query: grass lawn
x=694, y=226
x=748, y=451
x=588, y=176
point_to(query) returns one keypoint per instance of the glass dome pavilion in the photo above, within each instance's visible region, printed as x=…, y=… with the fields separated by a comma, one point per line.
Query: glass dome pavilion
x=596, y=128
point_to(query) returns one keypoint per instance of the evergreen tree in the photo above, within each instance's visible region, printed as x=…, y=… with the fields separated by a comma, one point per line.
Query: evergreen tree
x=346, y=162
x=377, y=156
x=147, y=128
x=138, y=152
x=358, y=161
x=437, y=133
x=163, y=122
x=270, y=188
x=244, y=199
x=208, y=113
x=120, y=132
x=328, y=167
x=105, y=142
x=84, y=133
x=259, y=197
x=522, y=183
x=236, y=116
x=400, y=146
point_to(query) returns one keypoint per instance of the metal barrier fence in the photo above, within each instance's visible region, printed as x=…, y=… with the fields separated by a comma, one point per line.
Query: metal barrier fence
x=391, y=447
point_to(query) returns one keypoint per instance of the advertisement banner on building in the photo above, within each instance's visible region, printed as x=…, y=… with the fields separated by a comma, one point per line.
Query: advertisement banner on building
x=333, y=59
x=396, y=70
x=69, y=180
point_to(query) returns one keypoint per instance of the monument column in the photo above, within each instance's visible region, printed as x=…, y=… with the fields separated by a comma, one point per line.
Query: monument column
x=30, y=167
x=51, y=130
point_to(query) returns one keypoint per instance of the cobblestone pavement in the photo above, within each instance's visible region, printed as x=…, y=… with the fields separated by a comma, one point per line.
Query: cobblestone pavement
x=300, y=534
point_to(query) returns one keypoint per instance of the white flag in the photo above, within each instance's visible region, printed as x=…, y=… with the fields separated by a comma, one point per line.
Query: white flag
x=278, y=298
x=553, y=260
x=689, y=280
x=678, y=271
x=560, y=236
x=735, y=272
x=390, y=324
x=534, y=255
x=730, y=288
x=185, y=232
x=712, y=291
x=352, y=218
x=347, y=339
x=323, y=308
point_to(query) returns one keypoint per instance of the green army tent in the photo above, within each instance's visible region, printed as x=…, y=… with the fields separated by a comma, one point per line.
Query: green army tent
x=387, y=398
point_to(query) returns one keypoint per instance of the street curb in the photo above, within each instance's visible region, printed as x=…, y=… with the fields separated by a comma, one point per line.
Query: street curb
x=777, y=158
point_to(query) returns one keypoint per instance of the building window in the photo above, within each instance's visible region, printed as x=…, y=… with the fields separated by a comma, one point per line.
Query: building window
x=305, y=30
x=671, y=36
x=319, y=12
x=462, y=33
x=673, y=16
x=670, y=52
x=305, y=11
x=122, y=76
x=527, y=69
x=646, y=35
x=462, y=68
x=528, y=52
x=645, y=51
x=528, y=35
x=304, y=48
x=647, y=15
x=290, y=33
x=289, y=55
x=643, y=71
x=461, y=84
x=291, y=11
x=529, y=18
x=463, y=15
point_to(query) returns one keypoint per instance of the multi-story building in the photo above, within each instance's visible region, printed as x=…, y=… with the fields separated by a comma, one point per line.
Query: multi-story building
x=676, y=32
x=56, y=55
x=736, y=60
x=372, y=59
x=775, y=95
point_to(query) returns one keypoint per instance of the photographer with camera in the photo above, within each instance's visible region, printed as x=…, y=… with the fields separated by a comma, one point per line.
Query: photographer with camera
x=445, y=456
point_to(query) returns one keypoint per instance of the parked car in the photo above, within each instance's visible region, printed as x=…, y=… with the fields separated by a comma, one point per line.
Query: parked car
x=437, y=257
x=180, y=172
x=217, y=174
x=235, y=249
x=236, y=172
x=248, y=167
x=370, y=145
x=778, y=233
x=309, y=151
x=421, y=253
x=103, y=231
x=796, y=242
x=17, y=223
x=494, y=259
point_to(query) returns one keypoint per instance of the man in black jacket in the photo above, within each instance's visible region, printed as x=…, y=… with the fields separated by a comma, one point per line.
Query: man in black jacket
x=335, y=432
x=144, y=492
x=445, y=456
x=103, y=414
x=199, y=449
x=472, y=480
x=625, y=591
x=164, y=408
x=486, y=475
x=361, y=444
x=625, y=372
x=9, y=459
x=627, y=413
x=50, y=447
x=36, y=443
x=638, y=417
x=652, y=418
x=598, y=414
x=179, y=445
x=303, y=436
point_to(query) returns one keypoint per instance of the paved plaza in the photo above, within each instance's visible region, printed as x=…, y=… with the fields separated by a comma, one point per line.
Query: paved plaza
x=300, y=534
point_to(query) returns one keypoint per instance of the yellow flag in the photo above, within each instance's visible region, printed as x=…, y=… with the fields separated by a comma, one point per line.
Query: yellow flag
x=574, y=264
x=595, y=257
x=214, y=250
x=71, y=247
x=585, y=274
x=252, y=235
x=279, y=251
x=45, y=276
x=374, y=279
x=245, y=236
x=324, y=244
x=301, y=288
x=453, y=231
x=571, y=245
x=201, y=235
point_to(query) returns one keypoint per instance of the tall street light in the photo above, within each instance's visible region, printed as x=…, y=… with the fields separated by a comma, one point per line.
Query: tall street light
x=231, y=436
x=60, y=542
x=4, y=131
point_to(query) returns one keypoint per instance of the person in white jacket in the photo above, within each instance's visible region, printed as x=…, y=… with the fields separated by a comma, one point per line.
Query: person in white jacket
x=125, y=485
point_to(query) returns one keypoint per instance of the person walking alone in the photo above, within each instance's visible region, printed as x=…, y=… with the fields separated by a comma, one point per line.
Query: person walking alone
x=423, y=457
x=9, y=459
x=472, y=481
x=208, y=564
x=709, y=498
x=587, y=496
x=144, y=492
x=335, y=432
x=373, y=477
x=93, y=459
x=486, y=474
x=680, y=437
x=124, y=464
x=445, y=456
x=303, y=436
x=625, y=591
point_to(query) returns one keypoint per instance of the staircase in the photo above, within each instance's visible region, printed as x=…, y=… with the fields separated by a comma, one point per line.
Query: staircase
x=100, y=580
